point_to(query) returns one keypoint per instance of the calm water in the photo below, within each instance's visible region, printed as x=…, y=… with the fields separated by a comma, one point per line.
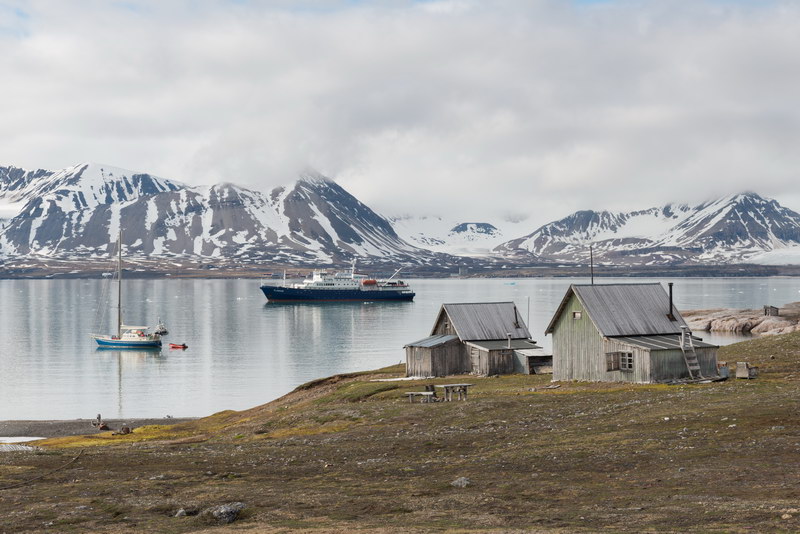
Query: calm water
x=242, y=351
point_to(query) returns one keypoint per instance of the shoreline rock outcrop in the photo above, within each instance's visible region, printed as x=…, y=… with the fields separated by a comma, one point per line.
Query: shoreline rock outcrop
x=745, y=321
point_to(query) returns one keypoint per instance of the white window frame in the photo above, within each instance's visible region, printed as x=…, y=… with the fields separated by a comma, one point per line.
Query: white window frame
x=619, y=361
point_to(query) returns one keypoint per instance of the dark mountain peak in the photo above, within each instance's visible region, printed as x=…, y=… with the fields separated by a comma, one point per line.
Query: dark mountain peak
x=474, y=227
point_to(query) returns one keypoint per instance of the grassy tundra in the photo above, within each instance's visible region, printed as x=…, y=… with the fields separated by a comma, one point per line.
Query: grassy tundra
x=348, y=454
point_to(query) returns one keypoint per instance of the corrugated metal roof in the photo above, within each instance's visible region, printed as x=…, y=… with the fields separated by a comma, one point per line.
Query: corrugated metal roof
x=535, y=352
x=503, y=344
x=433, y=341
x=662, y=342
x=625, y=309
x=486, y=320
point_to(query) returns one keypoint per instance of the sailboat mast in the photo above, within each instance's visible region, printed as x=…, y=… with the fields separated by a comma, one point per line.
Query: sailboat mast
x=119, y=285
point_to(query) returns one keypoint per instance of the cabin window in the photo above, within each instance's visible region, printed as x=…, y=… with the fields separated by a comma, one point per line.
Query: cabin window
x=626, y=361
x=619, y=361
x=576, y=315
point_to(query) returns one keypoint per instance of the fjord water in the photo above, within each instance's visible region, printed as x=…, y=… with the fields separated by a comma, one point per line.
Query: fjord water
x=244, y=352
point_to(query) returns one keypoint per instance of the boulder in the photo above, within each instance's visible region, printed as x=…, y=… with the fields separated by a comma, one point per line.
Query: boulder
x=222, y=514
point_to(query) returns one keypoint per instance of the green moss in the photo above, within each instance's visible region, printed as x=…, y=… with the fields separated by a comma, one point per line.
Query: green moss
x=357, y=391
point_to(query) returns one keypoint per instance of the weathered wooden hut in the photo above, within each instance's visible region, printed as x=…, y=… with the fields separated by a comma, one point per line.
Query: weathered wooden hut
x=439, y=355
x=625, y=333
x=478, y=338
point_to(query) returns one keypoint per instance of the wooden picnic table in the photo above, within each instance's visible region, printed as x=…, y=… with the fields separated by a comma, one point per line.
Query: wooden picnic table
x=459, y=389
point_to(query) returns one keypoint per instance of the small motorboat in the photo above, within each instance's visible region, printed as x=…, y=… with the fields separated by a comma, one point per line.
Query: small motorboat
x=182, y=346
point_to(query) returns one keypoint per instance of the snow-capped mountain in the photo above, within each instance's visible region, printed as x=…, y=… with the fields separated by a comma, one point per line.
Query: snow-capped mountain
x=733, y=228
x=15, y=188
x=79, y=211
x=454, y=237
x=74, y=209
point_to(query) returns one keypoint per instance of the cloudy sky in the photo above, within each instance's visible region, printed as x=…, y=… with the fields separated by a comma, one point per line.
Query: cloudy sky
x=475, y=110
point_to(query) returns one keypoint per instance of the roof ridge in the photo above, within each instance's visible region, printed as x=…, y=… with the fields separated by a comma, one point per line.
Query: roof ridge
x=619, y=284
x=472, y=303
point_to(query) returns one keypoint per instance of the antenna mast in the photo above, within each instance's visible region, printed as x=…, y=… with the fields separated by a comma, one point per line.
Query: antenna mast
x=591, y=263
x=395, y=274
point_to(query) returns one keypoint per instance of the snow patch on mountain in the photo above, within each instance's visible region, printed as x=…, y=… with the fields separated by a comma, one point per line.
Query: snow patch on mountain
x=780, y=256
x=451, y=236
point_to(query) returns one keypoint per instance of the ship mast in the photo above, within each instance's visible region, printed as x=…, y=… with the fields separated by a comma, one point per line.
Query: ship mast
x=119, y=285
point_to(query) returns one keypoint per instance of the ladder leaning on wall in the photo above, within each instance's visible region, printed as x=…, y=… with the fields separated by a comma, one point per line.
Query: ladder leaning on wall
x=689, y=354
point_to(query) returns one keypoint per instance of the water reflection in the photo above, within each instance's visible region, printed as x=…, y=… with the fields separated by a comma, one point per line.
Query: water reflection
x=130, y=364
x=244, y=352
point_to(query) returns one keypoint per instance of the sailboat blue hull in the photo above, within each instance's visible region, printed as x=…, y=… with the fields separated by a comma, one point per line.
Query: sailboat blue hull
x=120, y=344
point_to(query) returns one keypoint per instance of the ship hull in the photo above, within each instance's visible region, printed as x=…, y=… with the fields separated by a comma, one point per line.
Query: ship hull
x=120, y=344
x=291, y=294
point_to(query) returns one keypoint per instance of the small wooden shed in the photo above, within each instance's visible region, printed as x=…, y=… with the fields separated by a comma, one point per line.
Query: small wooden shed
x=438, y=355
x=625, y=333
x=478, y=338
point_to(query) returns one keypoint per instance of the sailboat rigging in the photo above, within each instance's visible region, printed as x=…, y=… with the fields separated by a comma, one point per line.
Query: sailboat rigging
x=128, y=336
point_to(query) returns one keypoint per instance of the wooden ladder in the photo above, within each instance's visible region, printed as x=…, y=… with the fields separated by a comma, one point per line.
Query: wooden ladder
x=689, y=354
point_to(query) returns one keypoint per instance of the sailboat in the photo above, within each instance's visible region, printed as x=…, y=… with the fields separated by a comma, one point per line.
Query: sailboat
x=128, y=336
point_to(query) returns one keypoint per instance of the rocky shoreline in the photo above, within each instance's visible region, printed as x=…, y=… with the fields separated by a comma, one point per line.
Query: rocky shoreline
x=76, y=427
x=745, y=321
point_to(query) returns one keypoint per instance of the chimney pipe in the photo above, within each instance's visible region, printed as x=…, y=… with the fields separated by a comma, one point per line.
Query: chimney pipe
x=670, y=315
x=508, y=334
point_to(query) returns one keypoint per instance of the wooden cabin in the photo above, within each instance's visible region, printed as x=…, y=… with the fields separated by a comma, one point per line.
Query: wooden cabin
x=477, y=338
x=625, y=333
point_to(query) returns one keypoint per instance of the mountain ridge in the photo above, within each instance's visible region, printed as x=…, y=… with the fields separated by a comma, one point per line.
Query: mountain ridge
x=77, y=212
x=731, y=228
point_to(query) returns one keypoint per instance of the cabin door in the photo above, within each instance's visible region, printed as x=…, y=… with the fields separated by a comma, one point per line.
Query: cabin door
x=475, y=360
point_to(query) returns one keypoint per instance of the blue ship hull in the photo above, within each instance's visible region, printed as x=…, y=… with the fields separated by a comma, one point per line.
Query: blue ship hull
x=119, y=344
x=291, y=294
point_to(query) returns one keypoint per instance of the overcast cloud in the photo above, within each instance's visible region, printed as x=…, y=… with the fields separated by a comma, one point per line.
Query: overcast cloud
x=475, y=110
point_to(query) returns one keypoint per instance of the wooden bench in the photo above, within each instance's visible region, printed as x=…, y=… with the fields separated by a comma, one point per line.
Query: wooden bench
x=425, y=396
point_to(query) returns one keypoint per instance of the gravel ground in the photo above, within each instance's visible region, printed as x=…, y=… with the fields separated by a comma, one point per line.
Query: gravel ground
x=74, y=427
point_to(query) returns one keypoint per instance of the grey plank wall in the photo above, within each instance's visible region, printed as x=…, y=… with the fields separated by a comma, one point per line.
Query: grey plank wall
x=641, y=363
x=441, y=360
x=501, y=362
x=670, y=365
x=576, y=342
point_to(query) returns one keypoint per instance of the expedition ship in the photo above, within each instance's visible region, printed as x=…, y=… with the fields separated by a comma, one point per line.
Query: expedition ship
x=345, y=285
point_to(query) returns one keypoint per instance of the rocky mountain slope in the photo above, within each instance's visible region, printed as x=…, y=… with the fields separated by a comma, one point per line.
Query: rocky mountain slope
x=77, y=212
x=731, y=229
